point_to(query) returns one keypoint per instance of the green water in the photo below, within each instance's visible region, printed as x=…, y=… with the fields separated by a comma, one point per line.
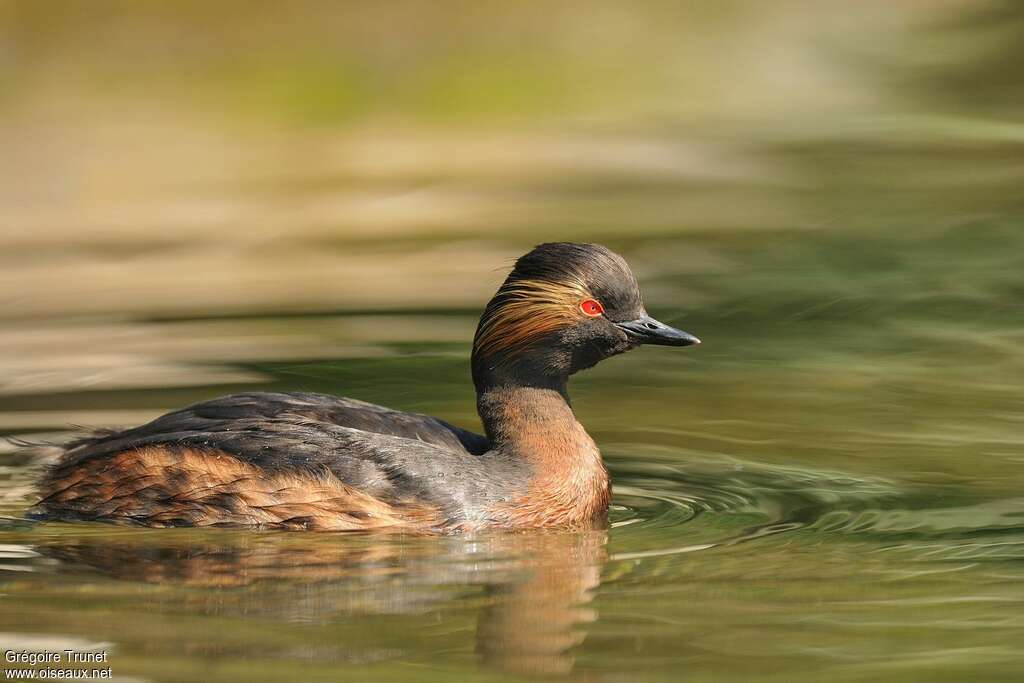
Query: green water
x=831, y=487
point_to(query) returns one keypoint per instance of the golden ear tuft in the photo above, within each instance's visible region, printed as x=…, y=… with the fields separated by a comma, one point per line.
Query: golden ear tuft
x=525, y=311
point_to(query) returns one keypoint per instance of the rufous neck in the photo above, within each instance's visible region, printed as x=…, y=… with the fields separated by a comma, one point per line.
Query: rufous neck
x=535, y=425
x=518, y=417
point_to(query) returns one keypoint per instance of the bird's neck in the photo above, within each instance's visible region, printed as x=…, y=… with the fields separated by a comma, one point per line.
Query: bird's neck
x=516, y=414
x=534, y=423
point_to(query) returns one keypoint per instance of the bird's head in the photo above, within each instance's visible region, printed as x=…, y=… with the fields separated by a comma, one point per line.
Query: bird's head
x=563, y=308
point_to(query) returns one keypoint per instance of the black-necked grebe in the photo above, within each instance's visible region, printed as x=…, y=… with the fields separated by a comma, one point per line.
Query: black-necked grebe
x=311, y=461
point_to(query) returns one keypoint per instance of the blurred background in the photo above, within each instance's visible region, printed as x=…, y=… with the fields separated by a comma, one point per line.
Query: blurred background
x=201, y=197
x=169, y=160
x=174, y=158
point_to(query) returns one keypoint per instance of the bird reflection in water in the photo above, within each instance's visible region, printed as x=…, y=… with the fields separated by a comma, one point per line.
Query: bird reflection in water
x=536, y=587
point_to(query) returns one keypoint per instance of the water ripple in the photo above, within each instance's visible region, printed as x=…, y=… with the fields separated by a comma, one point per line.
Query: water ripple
x=734, y=502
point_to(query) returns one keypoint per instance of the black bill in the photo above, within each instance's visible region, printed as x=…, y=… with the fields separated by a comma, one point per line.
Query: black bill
x=647, y=330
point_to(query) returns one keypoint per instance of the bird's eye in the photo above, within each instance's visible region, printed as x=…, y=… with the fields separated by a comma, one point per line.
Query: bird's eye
x=591, y=307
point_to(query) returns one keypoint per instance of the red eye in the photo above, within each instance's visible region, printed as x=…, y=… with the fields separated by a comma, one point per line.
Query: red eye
x=591, y=307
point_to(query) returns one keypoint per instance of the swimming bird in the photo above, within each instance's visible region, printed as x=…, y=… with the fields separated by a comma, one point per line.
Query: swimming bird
x=313, y=461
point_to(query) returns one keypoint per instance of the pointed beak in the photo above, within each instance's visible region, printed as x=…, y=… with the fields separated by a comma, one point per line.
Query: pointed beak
x=647, y=330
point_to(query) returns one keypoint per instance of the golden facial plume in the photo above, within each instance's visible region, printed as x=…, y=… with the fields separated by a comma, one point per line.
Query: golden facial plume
x=525, y=310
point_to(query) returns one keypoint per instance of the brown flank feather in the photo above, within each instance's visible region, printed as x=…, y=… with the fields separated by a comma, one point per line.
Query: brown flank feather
x=175, y=486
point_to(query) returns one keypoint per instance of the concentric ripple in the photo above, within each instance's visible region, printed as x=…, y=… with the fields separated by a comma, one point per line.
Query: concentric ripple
x=703, y=506
x=729, y=503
